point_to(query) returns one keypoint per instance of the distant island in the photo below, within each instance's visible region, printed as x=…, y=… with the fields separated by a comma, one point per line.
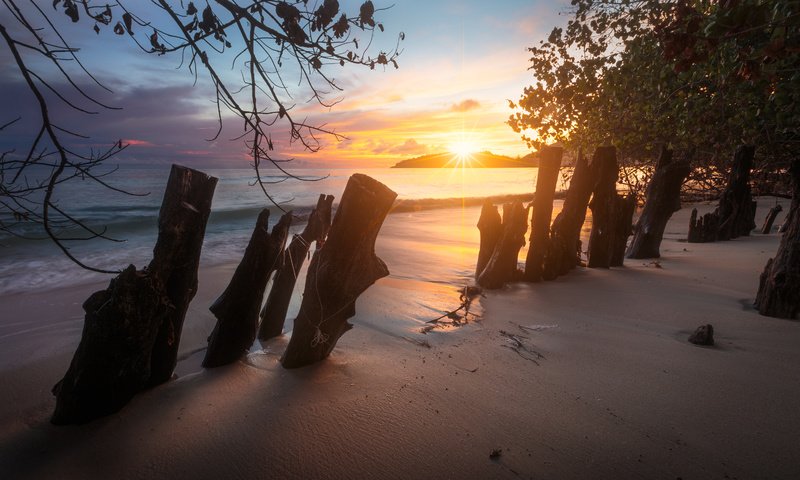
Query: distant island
x=475, y=160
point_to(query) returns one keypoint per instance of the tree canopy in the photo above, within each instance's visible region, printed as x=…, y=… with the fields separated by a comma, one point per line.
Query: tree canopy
x=699, y=75
x=265, y=40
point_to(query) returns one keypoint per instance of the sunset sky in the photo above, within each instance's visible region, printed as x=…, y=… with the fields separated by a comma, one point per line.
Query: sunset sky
x=461, y=63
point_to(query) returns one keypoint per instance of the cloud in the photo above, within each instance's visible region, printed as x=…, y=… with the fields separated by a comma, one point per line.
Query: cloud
x=465, y=106
x=409, y=147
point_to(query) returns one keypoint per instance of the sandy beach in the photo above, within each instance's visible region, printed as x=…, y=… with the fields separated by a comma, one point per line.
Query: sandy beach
x=589, y=376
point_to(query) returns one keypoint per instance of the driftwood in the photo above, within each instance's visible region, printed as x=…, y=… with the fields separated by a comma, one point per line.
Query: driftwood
x=604, y=205
x=132, y=329
x=340, y=271
x=779, y=286
x=662, y=199
x=546, y=179
x=623, y=227
x=237, y=308
x=273, y=315
x=771, y=215
x=563, y=252
x=736, y=212
x=502, y=266
x=491, y=227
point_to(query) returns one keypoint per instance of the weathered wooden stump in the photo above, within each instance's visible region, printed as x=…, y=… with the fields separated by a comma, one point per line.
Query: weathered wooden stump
x=770, y=219
x=623, y=227
x=273, y=316
x=703, y=229
x=132, y=329
x=340, y=271
x=237, y=308
x=736, y=206
x=779, y=286
x=546, y=179
x=735, y=214
x=604, y=206
x=502, y=266
x=662, y=199
x=564, y=248
x=491, y=228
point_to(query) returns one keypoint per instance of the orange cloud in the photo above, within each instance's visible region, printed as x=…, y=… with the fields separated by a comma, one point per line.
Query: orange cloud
x=465, y=106
x=137, y=143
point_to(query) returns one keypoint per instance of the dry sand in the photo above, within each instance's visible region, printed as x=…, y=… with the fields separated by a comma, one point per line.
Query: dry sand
x=617, y=392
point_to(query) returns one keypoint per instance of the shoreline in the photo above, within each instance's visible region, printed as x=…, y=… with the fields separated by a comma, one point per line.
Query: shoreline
x=618, y=392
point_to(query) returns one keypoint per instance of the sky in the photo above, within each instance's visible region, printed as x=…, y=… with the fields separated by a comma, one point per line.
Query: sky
x=461, y=62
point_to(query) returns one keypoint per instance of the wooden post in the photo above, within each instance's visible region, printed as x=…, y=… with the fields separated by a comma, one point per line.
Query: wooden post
x=779, y=286
x=502, y=266
x=624, y=206
x=773, y=212
x=703, y=229
x=237, y=308
x=662, y=199
x=546, y=179
x=736, y=207
x=176, y=257
x=273, y=315
x=603, y=205
x=340, y=271
x=132, y=329
x=564, y=249
x=491, y=227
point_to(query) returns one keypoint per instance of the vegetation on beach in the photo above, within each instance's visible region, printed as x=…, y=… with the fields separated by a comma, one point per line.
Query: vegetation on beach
x=698, y=75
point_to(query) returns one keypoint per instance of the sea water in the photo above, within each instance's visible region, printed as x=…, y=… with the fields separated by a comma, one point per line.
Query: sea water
x=432, y=246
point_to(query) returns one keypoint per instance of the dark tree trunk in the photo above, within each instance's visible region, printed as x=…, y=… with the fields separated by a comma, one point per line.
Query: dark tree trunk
x=340, y=271
x=564, y=251
x=779, y=287
x=132, y=329
x=603, y=205
x=662, y=199
x=703, y=229
x=736, y=206
x=237, y=308
x=273, y=315
x=771, y=215
x=623, y=227
x=784, y=226
x=112, y=362
x=546, y=179
x=502, y=266
x=491, y=227
x=176, y=256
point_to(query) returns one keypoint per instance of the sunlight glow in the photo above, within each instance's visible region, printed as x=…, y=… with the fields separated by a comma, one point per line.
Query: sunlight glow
x=462, y=151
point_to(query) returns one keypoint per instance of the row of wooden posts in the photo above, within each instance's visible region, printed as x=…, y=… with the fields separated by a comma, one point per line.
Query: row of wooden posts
x=555, y=248
x=132, y=329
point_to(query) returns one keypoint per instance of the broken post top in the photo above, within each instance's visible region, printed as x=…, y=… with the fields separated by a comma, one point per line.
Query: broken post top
x=363, y=194
x=189, y=185
x=551, y=157
x=319, y=221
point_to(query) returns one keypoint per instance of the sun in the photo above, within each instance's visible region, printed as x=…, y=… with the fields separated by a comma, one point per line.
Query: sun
x=463, y=151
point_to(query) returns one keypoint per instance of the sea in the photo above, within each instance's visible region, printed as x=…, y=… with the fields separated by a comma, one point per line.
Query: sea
x=421, y=242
